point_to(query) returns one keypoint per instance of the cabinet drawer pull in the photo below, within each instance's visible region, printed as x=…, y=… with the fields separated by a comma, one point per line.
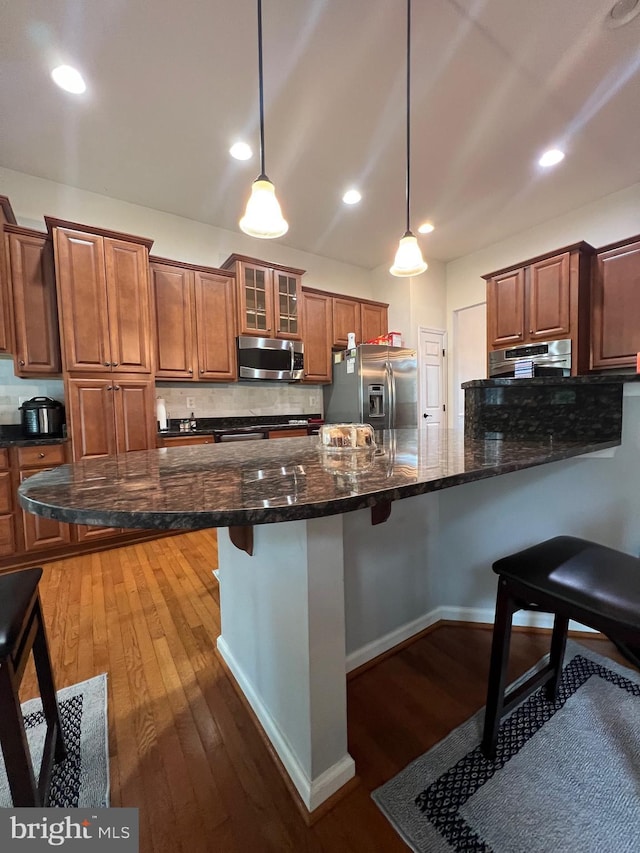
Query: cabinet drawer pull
x=41, y=455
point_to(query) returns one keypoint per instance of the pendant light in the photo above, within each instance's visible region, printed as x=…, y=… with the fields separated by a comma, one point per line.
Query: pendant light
x=408, y=260
x=263, y=216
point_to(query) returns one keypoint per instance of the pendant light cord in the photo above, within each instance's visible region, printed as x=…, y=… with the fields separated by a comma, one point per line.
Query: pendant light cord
x=260, y=92
x=408, y=187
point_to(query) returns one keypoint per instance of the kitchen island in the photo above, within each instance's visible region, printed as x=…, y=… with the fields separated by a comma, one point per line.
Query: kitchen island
x=340, y=570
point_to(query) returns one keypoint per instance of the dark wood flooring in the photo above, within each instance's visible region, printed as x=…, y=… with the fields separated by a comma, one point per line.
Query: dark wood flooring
x=183, y=747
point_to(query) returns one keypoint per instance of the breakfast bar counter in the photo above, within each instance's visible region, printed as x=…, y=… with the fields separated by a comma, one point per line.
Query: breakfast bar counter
x=265, y=482
x=333, y=563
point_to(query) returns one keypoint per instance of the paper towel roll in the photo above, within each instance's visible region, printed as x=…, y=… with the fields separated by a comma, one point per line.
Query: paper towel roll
x=161, y=413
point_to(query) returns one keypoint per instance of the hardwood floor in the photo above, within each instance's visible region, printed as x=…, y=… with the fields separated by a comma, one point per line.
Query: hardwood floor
x=183, y=748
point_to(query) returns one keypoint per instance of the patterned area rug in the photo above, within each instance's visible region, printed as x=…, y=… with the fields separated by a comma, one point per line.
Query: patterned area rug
x=566, y=775
x=82, y=779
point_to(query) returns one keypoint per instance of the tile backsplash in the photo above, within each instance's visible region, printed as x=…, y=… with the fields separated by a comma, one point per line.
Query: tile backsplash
x=239, y=399
x=14, y=391
x=233, y=399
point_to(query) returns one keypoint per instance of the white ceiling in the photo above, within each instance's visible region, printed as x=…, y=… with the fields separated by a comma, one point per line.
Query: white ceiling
x=173, y=84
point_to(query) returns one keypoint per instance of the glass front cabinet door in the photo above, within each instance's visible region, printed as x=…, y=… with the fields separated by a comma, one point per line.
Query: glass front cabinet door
x=269, y=298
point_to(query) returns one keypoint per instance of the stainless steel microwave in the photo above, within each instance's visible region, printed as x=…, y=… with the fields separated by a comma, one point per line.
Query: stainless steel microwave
x=270, y=358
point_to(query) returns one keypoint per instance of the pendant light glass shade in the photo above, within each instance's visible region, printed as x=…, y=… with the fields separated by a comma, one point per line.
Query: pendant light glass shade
x=408, y=259
x=263, y=216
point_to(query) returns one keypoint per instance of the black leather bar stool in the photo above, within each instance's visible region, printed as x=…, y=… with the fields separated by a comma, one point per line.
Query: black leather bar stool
x=21, y=631
x=573, y=579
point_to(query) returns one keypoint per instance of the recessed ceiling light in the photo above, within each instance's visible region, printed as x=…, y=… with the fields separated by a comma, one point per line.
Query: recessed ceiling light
x=425, y=228
x=551, y=157
x=351, y=197
x=241, y=151
x=622, y=12
x=69, y=79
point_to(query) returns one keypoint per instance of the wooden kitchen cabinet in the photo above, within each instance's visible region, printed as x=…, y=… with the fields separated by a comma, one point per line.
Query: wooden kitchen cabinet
x=33, y=302
x=103, y=299
x=183, y=440
x=6, y=339
x=194, y=309
x=288, y=433
x=110, y=416
x=367, y=319
x=615, y=298
x=268, y=298
x=107, y=417
x=39, y=533
x=8, y=545
x=543, y=299
x=318, y=335
x=373, y=320
x=346, y=318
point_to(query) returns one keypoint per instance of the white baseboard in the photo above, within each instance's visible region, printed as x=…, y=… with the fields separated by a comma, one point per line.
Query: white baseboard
x=313, y=792
x=524, y=618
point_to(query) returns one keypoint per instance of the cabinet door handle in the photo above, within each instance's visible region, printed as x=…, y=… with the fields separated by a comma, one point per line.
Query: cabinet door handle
x=21, y=362
x=114, y=364
x=109, y=387
x=201, y=370
x=116, y=387
x=191, y=370
x=106, y=363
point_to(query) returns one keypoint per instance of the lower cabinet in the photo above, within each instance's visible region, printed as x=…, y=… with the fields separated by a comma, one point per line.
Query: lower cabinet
x=110, y=416
x=287, y=433
x=106, y=417
x=7, y=521
x=39, y=532
x=183, y=440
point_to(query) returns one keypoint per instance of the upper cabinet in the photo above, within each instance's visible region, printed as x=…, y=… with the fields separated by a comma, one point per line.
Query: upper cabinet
x=269, y=298
x=103, y=298
x=544, y=299
x=6, y=217
x=316, y=312
x=33, y=302
x=366, y=318
x=194, y=310
x=615, y=339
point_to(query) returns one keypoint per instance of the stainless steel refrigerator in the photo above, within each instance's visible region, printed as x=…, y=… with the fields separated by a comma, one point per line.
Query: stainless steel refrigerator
x=374, y=385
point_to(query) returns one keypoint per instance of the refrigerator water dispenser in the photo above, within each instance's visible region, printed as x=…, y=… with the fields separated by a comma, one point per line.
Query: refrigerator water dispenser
x=376, y=401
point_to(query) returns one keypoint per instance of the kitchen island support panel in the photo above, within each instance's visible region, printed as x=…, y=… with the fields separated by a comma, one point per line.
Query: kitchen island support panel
x=291, y=663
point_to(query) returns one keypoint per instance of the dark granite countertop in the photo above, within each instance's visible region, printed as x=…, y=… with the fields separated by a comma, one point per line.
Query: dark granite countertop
x=588, y=379
x=218, y=485
x=12, y=435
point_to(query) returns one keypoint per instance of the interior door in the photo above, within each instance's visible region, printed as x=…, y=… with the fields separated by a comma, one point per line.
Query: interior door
x=432, y=394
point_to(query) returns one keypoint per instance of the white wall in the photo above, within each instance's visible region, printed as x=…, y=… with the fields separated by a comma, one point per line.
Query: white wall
x=607, y=220
x=413, y=302
x=174, y=237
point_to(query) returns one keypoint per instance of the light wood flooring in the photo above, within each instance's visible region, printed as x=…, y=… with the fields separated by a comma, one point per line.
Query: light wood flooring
x=183, y=748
